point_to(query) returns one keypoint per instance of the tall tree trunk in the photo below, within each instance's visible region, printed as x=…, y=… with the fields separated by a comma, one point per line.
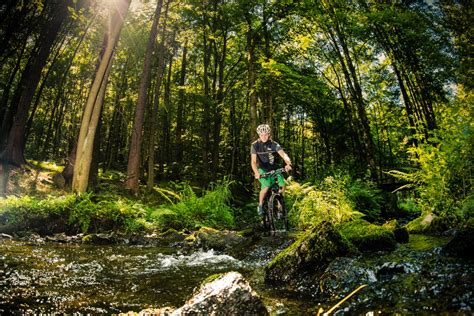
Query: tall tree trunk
x=252, y=77
x=207, y=96
x=167, y=115
x=115, y=127
x=134, y=156
x=91, y=116
x=268, y=87
x=15, y=145
x=181, y=106
x=156, y=102
x=219, y=103
x=4, y=112
x=338, y=39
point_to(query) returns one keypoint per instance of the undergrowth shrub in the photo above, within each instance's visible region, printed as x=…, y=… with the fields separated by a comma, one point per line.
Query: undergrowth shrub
x=191, y=211
x=366, y=197
x=441, y=168
x=84, y=212
x=312, y=204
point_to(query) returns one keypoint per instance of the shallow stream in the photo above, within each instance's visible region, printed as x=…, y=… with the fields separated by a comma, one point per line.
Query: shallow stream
x=48, y=277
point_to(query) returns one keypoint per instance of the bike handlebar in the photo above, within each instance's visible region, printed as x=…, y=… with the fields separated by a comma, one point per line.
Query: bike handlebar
x=273, y=172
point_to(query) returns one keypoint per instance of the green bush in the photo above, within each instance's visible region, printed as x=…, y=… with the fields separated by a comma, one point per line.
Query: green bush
x=309, y=205
x=211, y=209
x=467, y=210
x=87, y=212
x=409, y=206
x=366, y=198
x=441, y=167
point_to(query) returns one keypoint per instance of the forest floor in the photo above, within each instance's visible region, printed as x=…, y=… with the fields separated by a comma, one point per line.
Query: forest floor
x=36, y=180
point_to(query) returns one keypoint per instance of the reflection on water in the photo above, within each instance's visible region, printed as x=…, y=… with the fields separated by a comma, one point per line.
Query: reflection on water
x=93, y=279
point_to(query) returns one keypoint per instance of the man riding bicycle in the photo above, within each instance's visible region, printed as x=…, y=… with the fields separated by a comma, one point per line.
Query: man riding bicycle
x=263, y=159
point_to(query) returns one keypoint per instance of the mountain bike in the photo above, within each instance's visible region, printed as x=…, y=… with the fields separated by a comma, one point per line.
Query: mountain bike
x=275, y=214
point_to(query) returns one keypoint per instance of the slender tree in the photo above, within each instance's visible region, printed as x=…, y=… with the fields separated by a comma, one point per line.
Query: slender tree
x=134, y=156
x=93, y=107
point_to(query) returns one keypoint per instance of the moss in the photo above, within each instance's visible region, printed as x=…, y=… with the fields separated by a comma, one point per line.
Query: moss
x=208, y=230
x=211, y=278
x=368, y=237
x=401, y=233
x=426, y=242
x=312, y=251
x=172, y=235
x=429, y=223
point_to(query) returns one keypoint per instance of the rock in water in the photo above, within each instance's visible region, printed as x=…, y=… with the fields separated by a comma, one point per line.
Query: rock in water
x=312, y=252
x=228, y=294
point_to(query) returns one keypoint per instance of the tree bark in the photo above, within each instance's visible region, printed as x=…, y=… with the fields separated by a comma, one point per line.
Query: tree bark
x=15, y=145
x=207, y=97
x=134, y=156
x=93, y=107
x=251, y=79
x=181, y=106
x=156, y=102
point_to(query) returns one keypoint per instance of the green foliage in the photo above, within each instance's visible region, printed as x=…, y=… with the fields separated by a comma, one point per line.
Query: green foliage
x=17, y=209
x=443, y=174
x=366, y=198
x=211, y=209
x=467, y=209
x=109, y=210
x=110, y=213
x=310, y=205
x=85, y=212
x=408, y=205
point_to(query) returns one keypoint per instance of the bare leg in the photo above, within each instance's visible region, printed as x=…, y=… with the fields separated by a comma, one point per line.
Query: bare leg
x=263, y=192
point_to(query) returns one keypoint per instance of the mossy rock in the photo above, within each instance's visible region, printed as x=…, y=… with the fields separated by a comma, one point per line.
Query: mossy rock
x=429, y=223
x=312, y=251
x=368, y=237
x=171, y=236
x=401, y=233
x=210, y=238
x=462, y=243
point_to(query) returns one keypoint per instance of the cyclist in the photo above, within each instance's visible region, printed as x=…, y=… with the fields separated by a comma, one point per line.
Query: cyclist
x=263, y=159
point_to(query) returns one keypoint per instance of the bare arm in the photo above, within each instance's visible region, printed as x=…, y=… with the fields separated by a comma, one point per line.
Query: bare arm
x=286, y=159
x=253, y=163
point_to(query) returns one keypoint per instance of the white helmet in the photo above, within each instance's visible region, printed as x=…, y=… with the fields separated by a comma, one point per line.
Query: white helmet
x=263, y=129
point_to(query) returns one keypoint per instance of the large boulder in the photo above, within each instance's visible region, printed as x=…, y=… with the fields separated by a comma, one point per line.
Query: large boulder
x=368, y=237
x=225, y=294
x=311, y=252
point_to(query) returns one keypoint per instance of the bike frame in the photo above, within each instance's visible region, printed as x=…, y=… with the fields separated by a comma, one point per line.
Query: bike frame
x=274, y=194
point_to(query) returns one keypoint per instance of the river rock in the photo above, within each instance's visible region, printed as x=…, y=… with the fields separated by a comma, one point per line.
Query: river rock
x=432, y=224
x=228, y=294
x=209, y=238
x=368, y=237
x=310, y=253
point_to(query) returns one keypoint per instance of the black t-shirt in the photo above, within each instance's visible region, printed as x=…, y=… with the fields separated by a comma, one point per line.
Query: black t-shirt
x=267, y=154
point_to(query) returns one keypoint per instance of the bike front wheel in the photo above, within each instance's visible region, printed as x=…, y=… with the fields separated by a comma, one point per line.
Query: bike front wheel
x=278, y=216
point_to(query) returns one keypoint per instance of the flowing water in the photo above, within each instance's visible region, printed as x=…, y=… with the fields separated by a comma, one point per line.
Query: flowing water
x=49, y=277
x=53, y=277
